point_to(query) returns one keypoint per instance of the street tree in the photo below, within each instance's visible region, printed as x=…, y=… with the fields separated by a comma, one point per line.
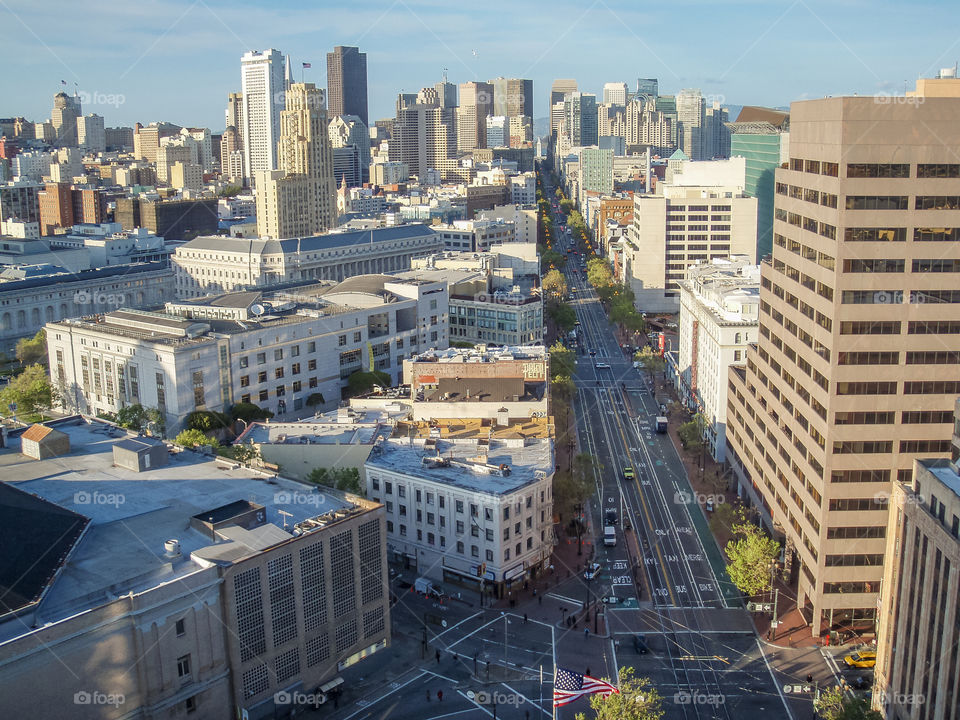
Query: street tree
x=689, y=434
x=30, y=391
x=638, y=699
x=562, y=360
x=834, y=704
x=554, y=283
x=193, y=438
x=32, y=350
x=752, y=553
x=562, y=315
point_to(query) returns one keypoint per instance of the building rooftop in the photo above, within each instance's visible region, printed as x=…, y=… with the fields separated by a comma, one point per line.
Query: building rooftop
x=944, y=472
x=481, y=353
x=345, y=426
x=472, y=454
x=132, y=515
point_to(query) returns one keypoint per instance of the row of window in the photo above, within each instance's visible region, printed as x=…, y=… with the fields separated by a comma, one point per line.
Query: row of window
x=876, y=170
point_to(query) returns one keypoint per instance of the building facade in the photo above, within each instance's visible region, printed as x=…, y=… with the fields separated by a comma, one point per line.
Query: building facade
x=861, y=280
x=347, y=83
x=262, y=84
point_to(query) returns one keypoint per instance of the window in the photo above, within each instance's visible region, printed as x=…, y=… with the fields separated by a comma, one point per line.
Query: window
x=278, y=354
x=458, y=506
x=874, y=266
x=356, y=337
x=489, y=555
x=474, y=551
x=879, y=202
x=181, y=628
x=460, y=546
x=875, y=170
x=341, y=340
x=261, y=358
x=278, y=373
x=883, y=327
x=936, y=265
x=244, y=361
x=938, y=202
x=190, y=704
x=936, y=234
x=459, y=527
x=183, y=666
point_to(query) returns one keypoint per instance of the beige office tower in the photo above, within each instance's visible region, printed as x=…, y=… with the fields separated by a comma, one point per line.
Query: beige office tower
x=558, y=91
x=234, y=116
x=858, y=360
x=299, y=198
x=476, y=104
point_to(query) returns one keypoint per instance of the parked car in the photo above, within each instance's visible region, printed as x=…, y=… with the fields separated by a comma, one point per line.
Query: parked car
x=640, y=644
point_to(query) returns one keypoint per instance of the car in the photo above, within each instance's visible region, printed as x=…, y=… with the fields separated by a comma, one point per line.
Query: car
x=628, y=473
x=861, y=659
x=577, y=323
x=610, y=516
x=593, y=569
x=592, y=352
x=640, y=644
x=603, y=366
x=709, y=504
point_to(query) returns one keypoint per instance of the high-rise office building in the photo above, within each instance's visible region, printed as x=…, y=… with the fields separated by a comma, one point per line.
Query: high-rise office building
x=918, y=639
x=476, y=104
x=299, y=198
x=855, y=372
x=512, y=97
x=615, y=93
x=580, y=111
x=447, y=93
x=648, y=86
x=646, y=126
x=262, y=85
x=63, y=117
x=498, y=131
x=234, y=115
x=690, y=120
x=762, y=137
x=423, y=138
x=91, y=135
x=347, y=83
x=558, y=91
x=716, y=134
x=350, y=141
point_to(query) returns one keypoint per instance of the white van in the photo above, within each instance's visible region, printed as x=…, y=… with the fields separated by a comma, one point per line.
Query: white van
x=610, y=535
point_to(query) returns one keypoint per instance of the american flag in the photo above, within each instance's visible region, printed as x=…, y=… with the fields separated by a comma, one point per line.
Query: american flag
x=306, y=65
x=569, y=686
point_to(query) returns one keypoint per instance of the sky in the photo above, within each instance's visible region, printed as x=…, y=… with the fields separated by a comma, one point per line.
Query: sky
x=176, y=60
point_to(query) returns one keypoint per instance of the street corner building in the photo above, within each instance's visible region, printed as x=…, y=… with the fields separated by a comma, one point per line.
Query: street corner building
x=159, y=589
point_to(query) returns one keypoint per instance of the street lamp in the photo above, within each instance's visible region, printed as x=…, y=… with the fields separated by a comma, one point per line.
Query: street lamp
x=505, y=623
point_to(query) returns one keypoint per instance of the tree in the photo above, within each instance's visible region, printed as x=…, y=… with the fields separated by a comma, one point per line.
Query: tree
x=205, y=420
x=32, y=350
x=248, y=412
x=193, y=438
x=361, y=382
x=30, y=391
x=552, y=257
x=343, y=478
x=751, y=555
x=137, y=417
x=689, y=434
x=314, y=399
x=563, y=316
x=244, y=453
x=834, y=704
x=562, y=360
x=638, y=699
x=571, y=489
x=652, y=362
x=554, y=283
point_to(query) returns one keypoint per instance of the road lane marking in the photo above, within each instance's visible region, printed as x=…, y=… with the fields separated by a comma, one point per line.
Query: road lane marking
x=384, y=696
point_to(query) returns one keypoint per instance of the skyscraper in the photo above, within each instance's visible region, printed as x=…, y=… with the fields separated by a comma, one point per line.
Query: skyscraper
x=91, y=135
x=263, y=85
x=423, y=137
x=447, y=92
x=63, y=117
x=512, y=97
x=476, y=103
x=580, y=111
x=648, y=86
x=690, y=119
x=558, y=92
x=615, y=93
x=299, y=198
x=855, y=372
x=350, y=141
x=347, y=83
x=234, y=115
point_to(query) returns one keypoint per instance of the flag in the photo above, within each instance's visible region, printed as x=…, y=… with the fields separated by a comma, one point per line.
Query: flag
x=63, y=82
x=306, y=65
x=569, y=686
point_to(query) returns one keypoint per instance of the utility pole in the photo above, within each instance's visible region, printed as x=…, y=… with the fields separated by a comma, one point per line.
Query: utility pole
x=773, y=623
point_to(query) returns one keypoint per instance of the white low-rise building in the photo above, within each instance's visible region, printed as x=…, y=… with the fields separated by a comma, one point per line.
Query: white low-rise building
x=719, y=318
x=475, y=235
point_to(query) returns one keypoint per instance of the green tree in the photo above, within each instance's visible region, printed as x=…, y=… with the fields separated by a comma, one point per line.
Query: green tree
x=689, y=433
x=343, y=478
x=193, y=438
x=554, y=283
x=563, y=316
x=835, y=704
x=638, y=699
x=205, y=420
x=314, y=399
x=652, y=362
x=361, y=382
x=563, y=361
x=137, y=417
x=248, y=412
x=30, y=391
x=243, y=452
x=571, y=489
x=751, y=555
x=551, y=257
x=32, y=350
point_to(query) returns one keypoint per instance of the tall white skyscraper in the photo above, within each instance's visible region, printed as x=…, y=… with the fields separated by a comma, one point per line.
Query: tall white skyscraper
x=262, y=86
x=690, y=117
x=615, y=93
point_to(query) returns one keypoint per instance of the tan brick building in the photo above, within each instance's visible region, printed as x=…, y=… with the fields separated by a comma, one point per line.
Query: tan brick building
x=856, y=368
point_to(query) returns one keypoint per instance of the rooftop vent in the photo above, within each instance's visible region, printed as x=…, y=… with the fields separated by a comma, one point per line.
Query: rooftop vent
x=171, y=548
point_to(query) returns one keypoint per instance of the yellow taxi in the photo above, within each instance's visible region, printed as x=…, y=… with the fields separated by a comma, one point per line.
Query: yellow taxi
x=861, y=659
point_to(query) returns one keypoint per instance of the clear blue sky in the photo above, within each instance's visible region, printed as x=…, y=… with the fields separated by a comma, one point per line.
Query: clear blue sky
x=176, y=60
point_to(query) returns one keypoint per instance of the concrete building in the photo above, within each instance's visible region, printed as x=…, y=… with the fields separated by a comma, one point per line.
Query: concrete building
x=20, y=200
x=580, y=114
x=220, y=264
x=424, y=138
x=119, y=139
x=348, y=131
x=170, y=219
x=276, y=351
x=475, y=235
x=523, y=217
x=476, y=104
x=235, y=595
x=615, y=93
x=512, y=97
x=701, y=214
x=918, y=672
x=91, y=134
x=596, y=173
x=521, y=130
x=299, y=197
x=63, y=118
x=719, y=316
x=347, y=83
x=691, y=136
x=498, y=131
x=646, y=126
x=389, y=173
x=716, y=133
x=762, y=137
x=262, y=83
x=558, y=91
x=860, y=281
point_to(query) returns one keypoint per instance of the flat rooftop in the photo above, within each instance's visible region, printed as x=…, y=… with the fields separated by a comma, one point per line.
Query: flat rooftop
x=525, y=447
x=359, y=427
x=940, y=469
x=481, y=353
x=133, y=514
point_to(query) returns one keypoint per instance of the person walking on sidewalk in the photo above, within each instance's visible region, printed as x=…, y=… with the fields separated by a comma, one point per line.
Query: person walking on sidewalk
x=586, y=632
x=440, y=695
x=438, y=657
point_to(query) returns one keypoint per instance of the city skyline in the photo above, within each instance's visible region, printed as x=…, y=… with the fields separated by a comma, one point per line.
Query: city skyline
x=861, y=53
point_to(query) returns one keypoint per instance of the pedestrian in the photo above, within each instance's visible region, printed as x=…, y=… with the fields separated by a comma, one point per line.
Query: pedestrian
x=809, y=678
x=586, y=632
x=438, y=657
x=534, y=592
x=428, y=694
x=440, y=695
x=540, y=599
x=587, y=673
x=524, y=618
